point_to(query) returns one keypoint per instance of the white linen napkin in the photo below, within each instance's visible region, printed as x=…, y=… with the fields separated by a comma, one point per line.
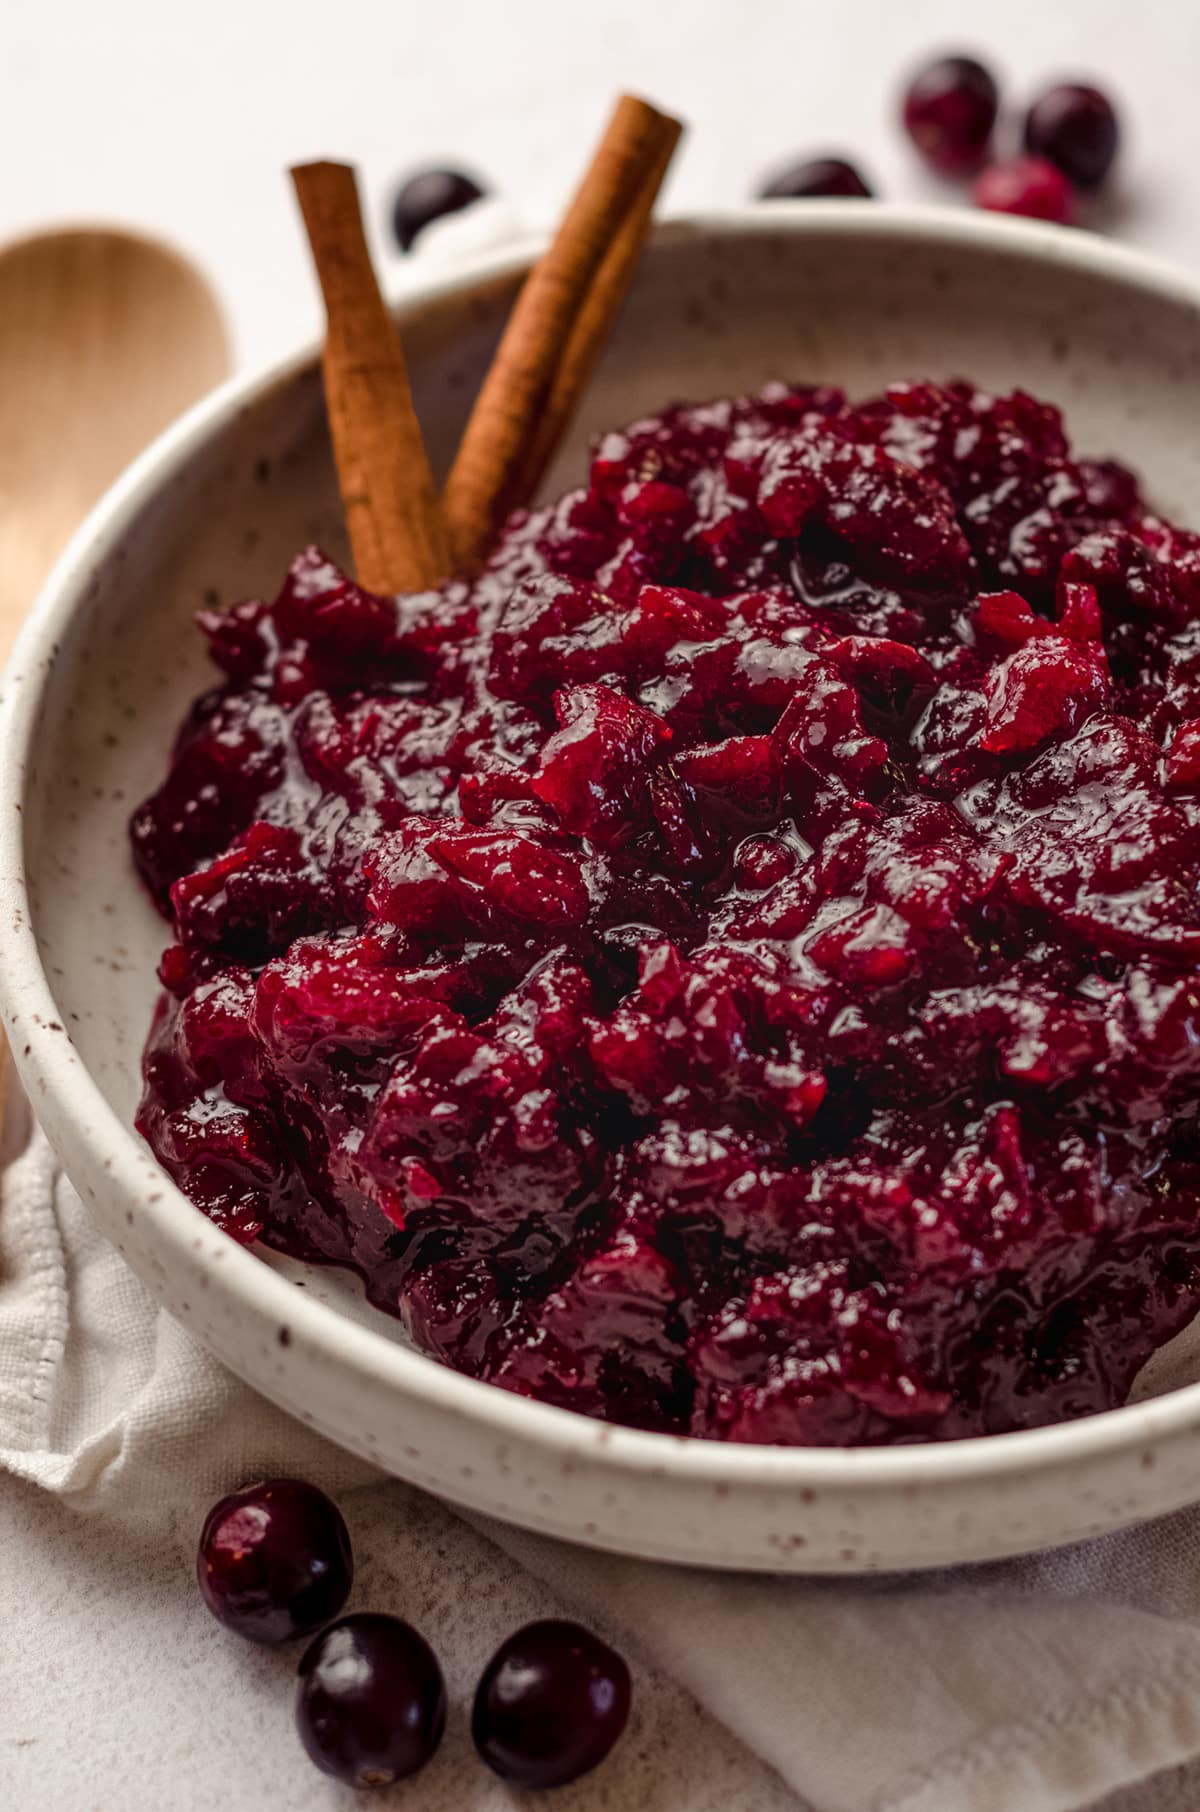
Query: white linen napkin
x=1031, y=1686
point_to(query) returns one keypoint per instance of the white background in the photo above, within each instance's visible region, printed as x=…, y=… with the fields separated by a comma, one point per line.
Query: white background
x=181, y=118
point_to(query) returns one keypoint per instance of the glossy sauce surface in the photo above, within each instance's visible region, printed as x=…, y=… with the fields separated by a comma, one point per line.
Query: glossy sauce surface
x=734, y=968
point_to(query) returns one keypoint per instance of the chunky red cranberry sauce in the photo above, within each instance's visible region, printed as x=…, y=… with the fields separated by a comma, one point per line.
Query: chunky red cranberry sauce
x=735, y=967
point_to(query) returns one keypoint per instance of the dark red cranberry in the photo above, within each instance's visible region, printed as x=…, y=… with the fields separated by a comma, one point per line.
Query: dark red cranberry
x=949, y=113
x=425, y=197
x=816, y=176
x=371, y=1703
x=274, y=1560
x=552, y=1702
x=1075, y=127
x=1027, y=185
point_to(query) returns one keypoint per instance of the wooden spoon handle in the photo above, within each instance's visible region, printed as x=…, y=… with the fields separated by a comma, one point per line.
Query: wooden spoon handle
x=105, y=337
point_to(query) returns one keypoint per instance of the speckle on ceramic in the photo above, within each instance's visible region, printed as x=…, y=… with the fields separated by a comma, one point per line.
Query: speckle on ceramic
x=846, y=294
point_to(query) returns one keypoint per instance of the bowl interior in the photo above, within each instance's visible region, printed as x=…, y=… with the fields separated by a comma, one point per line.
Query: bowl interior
x=715, y=309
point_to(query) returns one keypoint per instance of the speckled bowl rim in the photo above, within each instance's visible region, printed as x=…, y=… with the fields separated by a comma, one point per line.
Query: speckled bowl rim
x=52, y=1068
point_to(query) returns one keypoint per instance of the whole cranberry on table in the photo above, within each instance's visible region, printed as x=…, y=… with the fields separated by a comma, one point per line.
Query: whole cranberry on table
x=1075, y=127
x=950, y=108
x=1027, y=185
x=815, y=177
x=428, y=195
x=551, y=1704
x=371, y=1701
x=274, y=1560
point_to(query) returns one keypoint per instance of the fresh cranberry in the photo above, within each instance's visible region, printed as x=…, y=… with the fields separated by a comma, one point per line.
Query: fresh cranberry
x=274, y=1560
x=950, y=110
x=552, y=1702
x=1027, y=185
x=1075, y=128
x=371, y=1701
x=426, y=196
x=816, y=176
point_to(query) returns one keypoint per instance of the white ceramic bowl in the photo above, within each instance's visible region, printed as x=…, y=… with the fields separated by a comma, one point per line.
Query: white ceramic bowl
x=109, y=661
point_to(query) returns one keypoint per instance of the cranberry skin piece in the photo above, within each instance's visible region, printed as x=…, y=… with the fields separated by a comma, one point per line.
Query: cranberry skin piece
x=1076, y=128
x=425, y=197
x=552, y=1702
x=274, y=1560
x=371, y=1700
x=950, y=111
x=816, y=177
x=1027, y=185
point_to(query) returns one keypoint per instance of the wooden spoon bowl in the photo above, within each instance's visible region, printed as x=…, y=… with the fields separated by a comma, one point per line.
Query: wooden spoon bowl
x=105, y=337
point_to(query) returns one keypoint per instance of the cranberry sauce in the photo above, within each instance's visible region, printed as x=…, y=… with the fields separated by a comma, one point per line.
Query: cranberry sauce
x=734, y=967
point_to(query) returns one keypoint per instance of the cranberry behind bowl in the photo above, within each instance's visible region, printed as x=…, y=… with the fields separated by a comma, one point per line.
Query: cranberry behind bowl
x=1031, y=186
x=429, y=195
x=949, y=112
x=1075, y=127
x=816, y=177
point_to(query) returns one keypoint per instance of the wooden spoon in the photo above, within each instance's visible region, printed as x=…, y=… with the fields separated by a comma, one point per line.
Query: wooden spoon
x=105, y=337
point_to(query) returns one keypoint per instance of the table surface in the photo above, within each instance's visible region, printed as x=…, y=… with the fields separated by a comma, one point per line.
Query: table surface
x=182, y=121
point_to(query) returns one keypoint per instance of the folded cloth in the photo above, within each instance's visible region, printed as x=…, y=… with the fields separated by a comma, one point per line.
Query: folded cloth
x=1032, y=1686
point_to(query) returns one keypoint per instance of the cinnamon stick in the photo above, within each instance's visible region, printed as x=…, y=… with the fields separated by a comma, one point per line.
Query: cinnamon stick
x=558, y=324
x=593, y=324
x=393, y=517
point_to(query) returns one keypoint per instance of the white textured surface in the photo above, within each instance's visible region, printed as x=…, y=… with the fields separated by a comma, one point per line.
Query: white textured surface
x=113, y=1692
x=182, y=119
